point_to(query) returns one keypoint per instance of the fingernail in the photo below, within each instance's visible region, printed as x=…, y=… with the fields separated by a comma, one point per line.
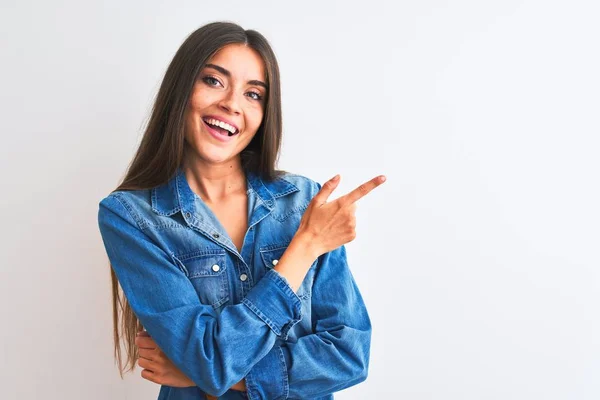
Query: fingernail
x=335, y=178
x=382, y=178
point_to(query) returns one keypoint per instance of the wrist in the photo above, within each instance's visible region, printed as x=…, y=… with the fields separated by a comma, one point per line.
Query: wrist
x=297, y=260
x=240, y=386
x=306, y=243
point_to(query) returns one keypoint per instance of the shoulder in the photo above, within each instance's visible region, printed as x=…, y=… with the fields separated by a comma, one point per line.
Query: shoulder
x=306, y=187
x=128, y=204
x=293, y=193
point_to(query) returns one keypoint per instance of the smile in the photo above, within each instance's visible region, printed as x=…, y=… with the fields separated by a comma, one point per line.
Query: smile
x=221, y=126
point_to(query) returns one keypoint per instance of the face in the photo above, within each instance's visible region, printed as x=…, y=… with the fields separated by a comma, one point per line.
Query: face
x=226, y=106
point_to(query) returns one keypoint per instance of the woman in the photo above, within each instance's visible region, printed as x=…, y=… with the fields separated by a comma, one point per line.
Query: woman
x=236, y=271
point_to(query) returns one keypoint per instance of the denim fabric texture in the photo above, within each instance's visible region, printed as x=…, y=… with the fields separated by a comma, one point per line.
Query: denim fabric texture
x=221, y=315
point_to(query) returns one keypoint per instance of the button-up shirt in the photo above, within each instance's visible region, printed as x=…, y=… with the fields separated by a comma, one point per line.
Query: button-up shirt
x=222, y=315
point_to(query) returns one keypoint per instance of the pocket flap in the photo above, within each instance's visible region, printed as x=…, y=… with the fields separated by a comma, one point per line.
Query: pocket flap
x=271, y=254
x=201, y=265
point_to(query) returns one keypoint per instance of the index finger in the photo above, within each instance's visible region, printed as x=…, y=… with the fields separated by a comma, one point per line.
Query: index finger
x=145, y=342
x=362, y=190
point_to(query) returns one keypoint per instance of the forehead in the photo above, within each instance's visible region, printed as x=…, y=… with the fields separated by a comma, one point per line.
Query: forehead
x=242, y=61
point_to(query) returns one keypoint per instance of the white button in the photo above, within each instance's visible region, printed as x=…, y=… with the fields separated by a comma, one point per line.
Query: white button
x=243, y=277
x=216, y=268
x=275, y=262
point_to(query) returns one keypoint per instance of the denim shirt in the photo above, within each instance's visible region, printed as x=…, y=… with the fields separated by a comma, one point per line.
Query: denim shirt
x=221, y=315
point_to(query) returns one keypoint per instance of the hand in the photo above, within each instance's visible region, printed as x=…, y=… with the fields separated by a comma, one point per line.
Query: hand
x=157, y=367
x=327, y=226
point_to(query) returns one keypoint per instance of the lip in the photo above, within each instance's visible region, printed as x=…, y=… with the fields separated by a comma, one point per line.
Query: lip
x=223, y=120
x=217, y=135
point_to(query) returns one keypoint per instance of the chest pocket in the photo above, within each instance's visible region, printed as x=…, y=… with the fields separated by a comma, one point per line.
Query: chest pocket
x=206, y=271
x=270, y=256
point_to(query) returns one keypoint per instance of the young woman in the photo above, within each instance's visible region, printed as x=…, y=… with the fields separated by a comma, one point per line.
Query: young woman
x=236, y=271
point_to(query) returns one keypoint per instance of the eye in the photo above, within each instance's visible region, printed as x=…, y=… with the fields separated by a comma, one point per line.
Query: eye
x=211, y=81
x=254, y=95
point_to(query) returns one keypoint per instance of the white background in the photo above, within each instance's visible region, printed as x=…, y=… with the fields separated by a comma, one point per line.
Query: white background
x=478, y=259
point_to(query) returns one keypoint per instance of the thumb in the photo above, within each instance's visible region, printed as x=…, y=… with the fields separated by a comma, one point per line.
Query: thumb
x=326, y=190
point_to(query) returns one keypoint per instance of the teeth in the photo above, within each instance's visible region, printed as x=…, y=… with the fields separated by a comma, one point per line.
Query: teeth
x=221, y=124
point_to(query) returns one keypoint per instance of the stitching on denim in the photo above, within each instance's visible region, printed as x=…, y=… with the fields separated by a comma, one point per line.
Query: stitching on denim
x=275, y=246
x=272, y=248
x=200, y=253
x=251, y=388
x=288, y=327
x=220, y=260
x=167, y=225
x=138, y=220
x=291, y=212
x=283, y=285
x=260, y=199
x=159, y=212
x=262, y=316
x=179, y=264
x=219, y=256
x=205, y=231
x=305, y=295
x=154, y=200
x=293, y=189
x=220, y=302
x=286, y=384
x=290, y=190
x=268, y=255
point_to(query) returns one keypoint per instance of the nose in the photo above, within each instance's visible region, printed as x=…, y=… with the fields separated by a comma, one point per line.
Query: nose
x=230, y=102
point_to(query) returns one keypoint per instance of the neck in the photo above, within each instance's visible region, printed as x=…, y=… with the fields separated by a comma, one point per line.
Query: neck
x=215, y=182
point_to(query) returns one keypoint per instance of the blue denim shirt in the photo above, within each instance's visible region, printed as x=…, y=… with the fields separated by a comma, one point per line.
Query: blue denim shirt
x=221, y=315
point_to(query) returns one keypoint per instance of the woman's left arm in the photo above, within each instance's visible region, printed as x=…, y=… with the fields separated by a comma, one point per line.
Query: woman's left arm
x=335, y=356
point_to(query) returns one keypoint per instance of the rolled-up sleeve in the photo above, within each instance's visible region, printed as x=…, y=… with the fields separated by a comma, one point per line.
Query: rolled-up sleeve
x=215, y=351
x=335, y=356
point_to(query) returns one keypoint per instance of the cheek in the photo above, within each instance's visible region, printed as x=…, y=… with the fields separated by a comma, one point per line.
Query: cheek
x=190, y=124
x=197, y=102
x=201, y=98
x=255, y=119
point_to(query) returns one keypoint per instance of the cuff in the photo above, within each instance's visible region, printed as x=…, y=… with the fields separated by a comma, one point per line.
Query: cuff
x=268, y=379
x=274, y=301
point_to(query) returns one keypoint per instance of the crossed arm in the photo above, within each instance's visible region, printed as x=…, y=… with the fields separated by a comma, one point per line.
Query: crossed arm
x=335, y=356
x=159, y=369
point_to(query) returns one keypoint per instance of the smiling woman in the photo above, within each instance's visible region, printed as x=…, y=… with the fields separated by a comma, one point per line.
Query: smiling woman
x=229, y=277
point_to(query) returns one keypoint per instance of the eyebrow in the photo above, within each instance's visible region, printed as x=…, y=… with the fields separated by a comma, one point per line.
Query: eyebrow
x=228, y=74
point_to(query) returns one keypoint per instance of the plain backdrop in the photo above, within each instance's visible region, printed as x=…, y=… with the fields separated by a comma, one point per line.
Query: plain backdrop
x=478, y=259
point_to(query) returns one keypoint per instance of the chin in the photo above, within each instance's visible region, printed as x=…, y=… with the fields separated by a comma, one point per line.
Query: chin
x=215, y=156
x=209, y=153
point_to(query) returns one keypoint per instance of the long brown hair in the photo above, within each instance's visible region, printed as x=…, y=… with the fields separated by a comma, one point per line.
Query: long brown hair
x=161, y=149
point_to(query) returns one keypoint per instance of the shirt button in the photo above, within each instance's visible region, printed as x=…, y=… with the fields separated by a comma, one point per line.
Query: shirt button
x=275, y=262
x=187, y=214
x=216, y=235
x=243, y=277
x=216, y=268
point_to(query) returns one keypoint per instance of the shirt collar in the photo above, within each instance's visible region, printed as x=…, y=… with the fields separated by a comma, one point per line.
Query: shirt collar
x=176, y=195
